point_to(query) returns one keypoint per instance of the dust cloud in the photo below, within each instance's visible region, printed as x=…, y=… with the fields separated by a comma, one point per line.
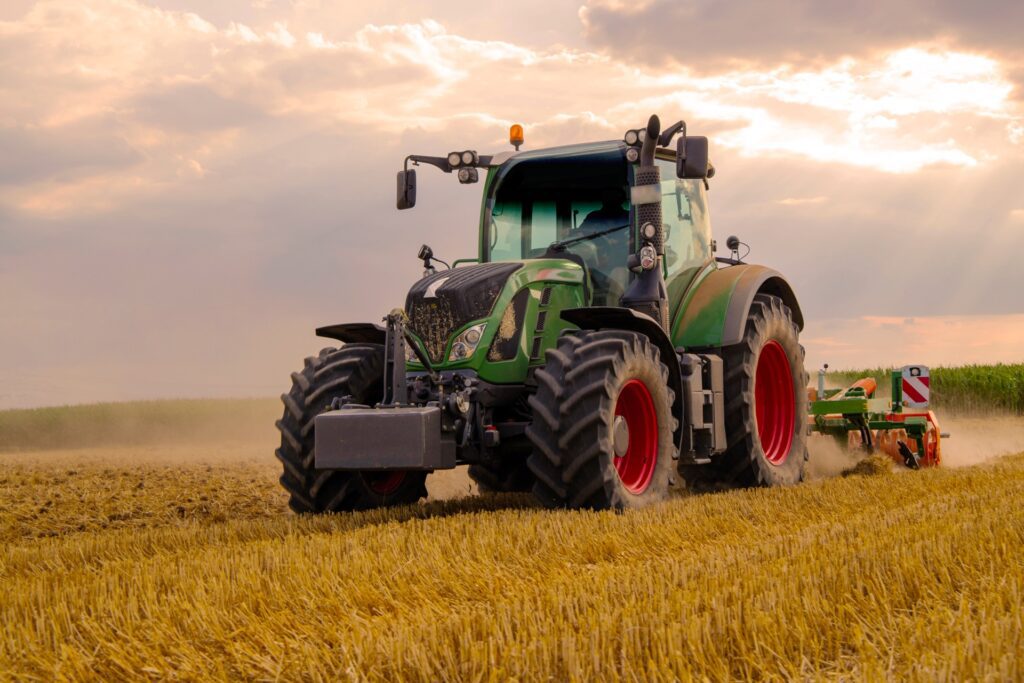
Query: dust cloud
x=977, y=439
x=232, y=434
x=828, y=459
x=972, y=440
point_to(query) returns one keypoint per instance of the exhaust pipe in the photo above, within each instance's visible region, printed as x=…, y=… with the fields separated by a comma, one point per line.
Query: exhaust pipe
x=647, y=293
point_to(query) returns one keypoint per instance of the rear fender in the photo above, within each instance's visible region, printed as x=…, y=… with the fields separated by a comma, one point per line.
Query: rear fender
x=615, y=318
x=716, y=313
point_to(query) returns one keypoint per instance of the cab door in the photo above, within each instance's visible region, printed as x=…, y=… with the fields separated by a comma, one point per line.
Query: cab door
x=684, y=212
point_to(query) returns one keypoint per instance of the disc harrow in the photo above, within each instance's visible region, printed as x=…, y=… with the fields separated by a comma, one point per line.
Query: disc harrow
x=903, y=426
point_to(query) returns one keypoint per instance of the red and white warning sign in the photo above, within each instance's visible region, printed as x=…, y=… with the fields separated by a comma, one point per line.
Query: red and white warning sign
x=916, y=386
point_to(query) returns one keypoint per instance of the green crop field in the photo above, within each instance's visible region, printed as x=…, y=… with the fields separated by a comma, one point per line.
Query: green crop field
x=963, y=389
x=160, y=546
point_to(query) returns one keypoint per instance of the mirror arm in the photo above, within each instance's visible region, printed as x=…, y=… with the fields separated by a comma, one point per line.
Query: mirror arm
x=484, y=161
x=439, y=162
x=666, y=137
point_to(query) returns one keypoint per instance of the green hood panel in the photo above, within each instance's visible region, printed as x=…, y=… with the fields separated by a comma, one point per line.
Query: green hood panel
x=551, y=285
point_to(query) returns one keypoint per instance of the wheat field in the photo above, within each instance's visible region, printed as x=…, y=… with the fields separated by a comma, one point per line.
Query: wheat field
x=181, y=562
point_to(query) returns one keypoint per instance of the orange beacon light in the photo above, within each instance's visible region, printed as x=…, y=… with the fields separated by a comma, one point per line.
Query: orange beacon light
x=515, y=135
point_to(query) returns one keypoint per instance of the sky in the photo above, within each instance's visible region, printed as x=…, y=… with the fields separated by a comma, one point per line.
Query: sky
x=187, y=189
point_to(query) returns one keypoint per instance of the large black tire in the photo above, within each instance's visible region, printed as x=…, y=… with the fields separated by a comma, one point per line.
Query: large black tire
x=764, y=378
x=507, y=476
x=355, y=370
x=592, y=384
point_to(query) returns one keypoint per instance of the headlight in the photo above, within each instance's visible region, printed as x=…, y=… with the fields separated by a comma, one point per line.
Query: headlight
x=465, y=344
x=468, y=158
x=454, y=158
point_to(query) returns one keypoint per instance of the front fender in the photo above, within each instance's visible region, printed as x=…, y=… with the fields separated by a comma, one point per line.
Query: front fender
x=716, y=313
x=354, y=333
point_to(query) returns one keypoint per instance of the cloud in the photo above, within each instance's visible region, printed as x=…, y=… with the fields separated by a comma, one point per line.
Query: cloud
x=710, y=35
x=190, y=108
x=801, y=201
x=206, y=187
x=29, y=153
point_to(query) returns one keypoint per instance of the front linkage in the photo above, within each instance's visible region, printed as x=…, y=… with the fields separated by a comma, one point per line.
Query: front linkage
x=423, y=419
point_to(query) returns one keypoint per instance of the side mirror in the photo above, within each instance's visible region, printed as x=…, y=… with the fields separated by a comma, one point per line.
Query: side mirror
x=692, y=157
x=406, y=189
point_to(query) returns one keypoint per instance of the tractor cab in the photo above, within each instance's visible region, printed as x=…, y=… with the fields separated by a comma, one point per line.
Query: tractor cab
x=574, y=202
x=569, y=202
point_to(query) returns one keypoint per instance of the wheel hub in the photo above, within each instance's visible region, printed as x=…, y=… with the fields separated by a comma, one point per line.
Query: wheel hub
x=620, y=436
x=635, y=436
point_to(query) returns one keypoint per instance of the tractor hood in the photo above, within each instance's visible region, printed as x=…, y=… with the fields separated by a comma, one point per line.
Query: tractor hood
x=440, y=304
x=518, y=302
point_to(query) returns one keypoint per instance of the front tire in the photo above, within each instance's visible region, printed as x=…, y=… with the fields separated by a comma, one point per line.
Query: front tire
x=602, y=423
x=355, y=370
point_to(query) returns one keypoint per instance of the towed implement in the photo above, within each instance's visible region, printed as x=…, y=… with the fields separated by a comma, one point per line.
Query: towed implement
x=594, y=351
x=902, y=426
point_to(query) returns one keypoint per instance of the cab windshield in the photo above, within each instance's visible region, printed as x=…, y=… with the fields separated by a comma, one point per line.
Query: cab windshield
x=579, y=199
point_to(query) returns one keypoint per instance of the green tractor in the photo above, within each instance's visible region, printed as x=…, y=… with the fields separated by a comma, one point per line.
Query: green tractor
x=595, y=351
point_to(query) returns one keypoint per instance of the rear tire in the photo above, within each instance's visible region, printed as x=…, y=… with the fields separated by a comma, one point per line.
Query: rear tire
x=602, y=423
x=355, y=370
x=765, y=405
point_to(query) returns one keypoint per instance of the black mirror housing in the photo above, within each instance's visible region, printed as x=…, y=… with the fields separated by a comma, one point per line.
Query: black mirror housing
x=406, y=189
x=692, y=157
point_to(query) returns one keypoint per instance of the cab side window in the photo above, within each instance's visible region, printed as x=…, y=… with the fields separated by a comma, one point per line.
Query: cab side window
x=687, y=226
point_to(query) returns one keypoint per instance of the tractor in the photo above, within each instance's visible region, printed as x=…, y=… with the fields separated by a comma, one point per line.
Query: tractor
x=595, y=351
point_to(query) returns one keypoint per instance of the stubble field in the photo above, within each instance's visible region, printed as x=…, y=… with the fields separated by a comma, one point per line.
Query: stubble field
x=175, y=557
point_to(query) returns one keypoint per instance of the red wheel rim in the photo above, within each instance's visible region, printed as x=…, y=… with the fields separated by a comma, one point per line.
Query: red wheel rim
x=775, y=402
x=383, y=483
x=636, y=465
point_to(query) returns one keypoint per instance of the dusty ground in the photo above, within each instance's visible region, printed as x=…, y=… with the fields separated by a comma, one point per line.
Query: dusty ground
x=182, y=560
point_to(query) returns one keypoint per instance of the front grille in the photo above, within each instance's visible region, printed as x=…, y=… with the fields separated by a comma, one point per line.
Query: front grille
x=433, y=321
x=457, y=297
